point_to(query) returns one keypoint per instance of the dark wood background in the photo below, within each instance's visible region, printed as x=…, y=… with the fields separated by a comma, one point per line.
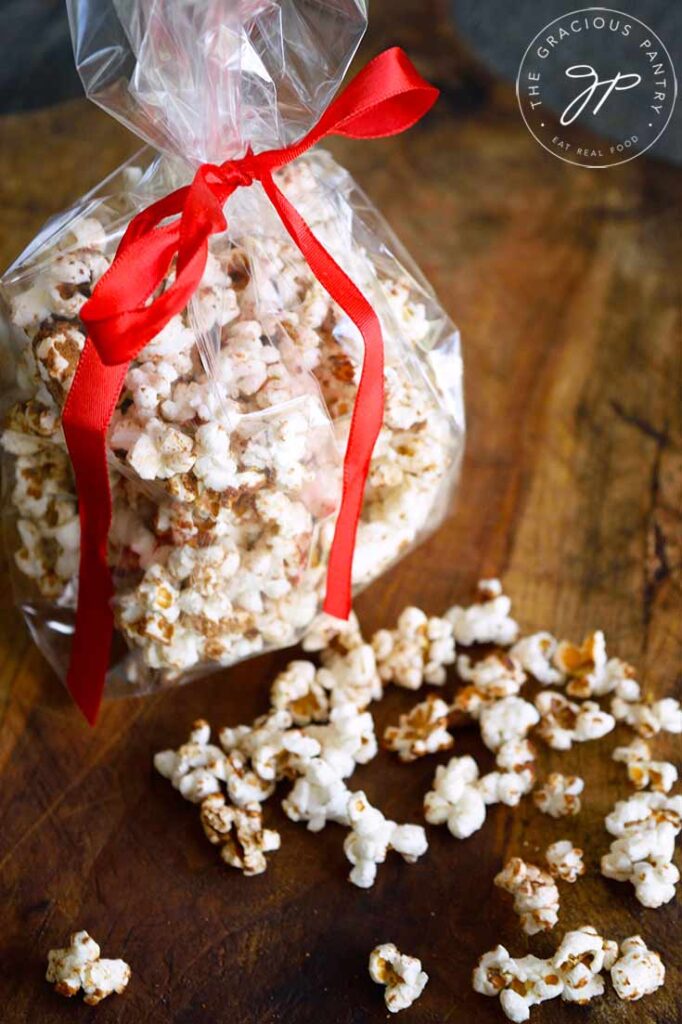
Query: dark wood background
x=564, y=283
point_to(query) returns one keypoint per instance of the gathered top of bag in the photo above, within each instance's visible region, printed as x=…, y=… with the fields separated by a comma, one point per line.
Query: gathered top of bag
x=205, y=79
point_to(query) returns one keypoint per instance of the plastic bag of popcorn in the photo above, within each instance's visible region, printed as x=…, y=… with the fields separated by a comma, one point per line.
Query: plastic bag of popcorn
x=225, y=448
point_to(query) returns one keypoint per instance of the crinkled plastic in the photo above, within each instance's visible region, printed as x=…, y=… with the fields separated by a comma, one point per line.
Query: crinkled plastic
x=227, y=443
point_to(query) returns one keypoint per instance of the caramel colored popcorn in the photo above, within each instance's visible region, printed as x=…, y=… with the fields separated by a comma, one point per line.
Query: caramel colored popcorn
x=424, y=730
x=239, y=832
x=536, y=897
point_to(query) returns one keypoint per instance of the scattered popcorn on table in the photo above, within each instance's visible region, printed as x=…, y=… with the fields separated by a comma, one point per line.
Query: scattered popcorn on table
x=372, y=836
x=536, y=897
x=565, y=860
x=642, y=771
x=239, y=832
x=563, y=723
x=416, y=651
x=505, y=720
x=197, y=768
x=579, y=961
x=319, y=795
x=423, y=730
x=402, y=975
x=486, y=622
x=645, y=827
x=79, y=966
x=455, y=799
x=520, y=984
x=499, y=675
x=297, y=690
x=649, y=717
x=348, y=739
x=560, y=795
x=534, y=653
x=276, y=750
x=638, y=971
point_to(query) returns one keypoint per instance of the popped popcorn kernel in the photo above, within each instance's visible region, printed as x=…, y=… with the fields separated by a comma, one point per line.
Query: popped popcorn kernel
x=565, y=860
x=560, y=795
x=402, y=976
x=372, y=836
x=239, y=832
x=423, y=730
x=79, y=966
x=638, y=971
x=536, y=897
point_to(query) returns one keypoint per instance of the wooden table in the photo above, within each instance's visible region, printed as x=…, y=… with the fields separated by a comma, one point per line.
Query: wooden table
x=564, y=284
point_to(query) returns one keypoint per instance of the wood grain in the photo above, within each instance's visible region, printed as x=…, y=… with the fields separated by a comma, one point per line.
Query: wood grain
x=564, y=284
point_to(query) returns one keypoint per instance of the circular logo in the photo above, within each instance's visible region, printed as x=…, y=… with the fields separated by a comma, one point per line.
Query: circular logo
x=606, y=77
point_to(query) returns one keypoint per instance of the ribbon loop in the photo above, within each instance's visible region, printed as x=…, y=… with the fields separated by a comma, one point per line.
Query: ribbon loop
x=128, y=309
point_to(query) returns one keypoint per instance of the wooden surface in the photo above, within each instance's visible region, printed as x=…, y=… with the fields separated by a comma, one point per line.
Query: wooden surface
x=564, y=284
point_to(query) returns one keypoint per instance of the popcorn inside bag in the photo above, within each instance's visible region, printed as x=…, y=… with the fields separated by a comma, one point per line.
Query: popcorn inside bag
x=226, y=446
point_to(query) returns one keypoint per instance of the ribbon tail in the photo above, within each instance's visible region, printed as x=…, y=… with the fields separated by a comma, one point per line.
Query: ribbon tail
x=85, y=419
x=368, y=411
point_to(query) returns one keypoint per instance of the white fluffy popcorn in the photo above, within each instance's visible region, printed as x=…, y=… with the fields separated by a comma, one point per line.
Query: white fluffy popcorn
x=486, y=622
x=416, y=651
x=508, y=719
x=560, y=795
x=239, y=832
x=565, y=860
x=520, y=983
x=499, y=675
x=645, y=827
x=536, y=897
x=351, y=677
x=196, y=768
x=535, y=653
x=79, y=966
x=638, y=971
x=424, y=730
x=563, y=722
x=372, y=836
x=402, y=976
x=326, y=632
x=297, y=690
x=276, y=750
x=516, y=756
x=347, y=740
x=649, y=717
x=642, y=771
x=319, y=795
x=579, y=961
x=591, y=673
x=506, y=787
x=455, y=799
x=161, y=451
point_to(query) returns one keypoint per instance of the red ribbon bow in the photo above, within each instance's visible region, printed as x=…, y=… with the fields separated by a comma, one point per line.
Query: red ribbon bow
x=386, y=98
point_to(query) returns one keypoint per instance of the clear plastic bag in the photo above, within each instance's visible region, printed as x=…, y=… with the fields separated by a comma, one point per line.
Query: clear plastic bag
x=227, y=443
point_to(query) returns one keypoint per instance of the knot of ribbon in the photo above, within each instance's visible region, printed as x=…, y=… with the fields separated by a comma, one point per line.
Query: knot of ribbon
x=124, y=314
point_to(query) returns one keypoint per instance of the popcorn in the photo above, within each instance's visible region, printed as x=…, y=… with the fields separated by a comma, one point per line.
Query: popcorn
x=638, y=971
x=649, y=717
x=372, y=836
x=351, y=678
x=579, y=961
x=276, y=750
x=424, y=730
x=499, y=675
x=591, y=673
x=506, y=787
x=222, y=439
x=239, y=832
x=560, y=795
x=508, y=719
x=534, y=653
x=416, y=652
x=520, y=984
x=79, y=966
x=402, y=975
x=327, y=633
x=565, y=860
x=642, y=771
x=298, y=691
x=536, y=897
x=197, y=768
x=319, y=795
x=455, y=799
x=645, y=826
x=563, y=722
x=516, y=756
x=347, y=740
x=488, y=621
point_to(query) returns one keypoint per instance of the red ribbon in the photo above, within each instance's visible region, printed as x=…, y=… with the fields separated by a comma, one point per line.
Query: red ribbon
x=386, y=98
